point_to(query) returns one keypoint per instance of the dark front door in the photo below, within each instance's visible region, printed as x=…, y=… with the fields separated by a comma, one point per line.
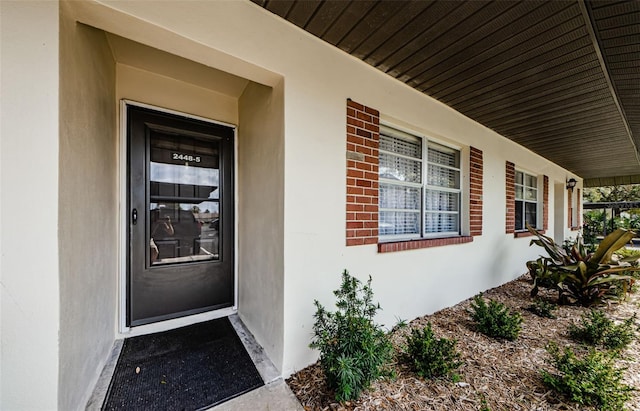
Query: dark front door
x=180, y=237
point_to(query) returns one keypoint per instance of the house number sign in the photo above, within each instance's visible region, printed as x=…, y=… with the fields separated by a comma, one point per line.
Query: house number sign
x=185, y=157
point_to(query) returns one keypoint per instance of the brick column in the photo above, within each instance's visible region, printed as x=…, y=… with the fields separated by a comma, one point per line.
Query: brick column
x=475, y=191
x=571, y=209
x=363, y=138
x=510, y=186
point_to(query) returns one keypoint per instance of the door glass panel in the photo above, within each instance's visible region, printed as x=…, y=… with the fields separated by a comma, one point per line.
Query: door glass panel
x=184, y=199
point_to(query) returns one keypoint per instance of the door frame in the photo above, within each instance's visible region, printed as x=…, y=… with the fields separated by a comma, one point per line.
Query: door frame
x=123, y=329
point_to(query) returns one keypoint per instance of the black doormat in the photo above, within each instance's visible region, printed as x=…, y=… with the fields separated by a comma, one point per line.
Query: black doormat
x=189, y=368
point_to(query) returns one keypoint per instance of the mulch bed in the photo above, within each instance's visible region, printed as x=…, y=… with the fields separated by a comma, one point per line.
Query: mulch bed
x=496, y=375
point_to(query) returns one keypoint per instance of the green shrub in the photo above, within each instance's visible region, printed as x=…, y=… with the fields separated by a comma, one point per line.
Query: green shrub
x=484, y=404
x=579, y=275
x=596, y=329
x=624, y=287
x=593, y=226
x=400, y=323
x=354, y=351
x=543, y=308
x=628, y=253
x=494, y=319
x=621, y=289
x=592, y=380
x=429, y=356
x=592, y=330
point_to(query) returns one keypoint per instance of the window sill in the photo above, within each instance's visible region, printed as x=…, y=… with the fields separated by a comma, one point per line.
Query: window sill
x=519, y=234
x=421, y=243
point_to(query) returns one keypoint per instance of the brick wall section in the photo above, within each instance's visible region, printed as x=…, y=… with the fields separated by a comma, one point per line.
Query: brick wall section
x=510, y=220
x=475, y=191
x=422, y=243
x=363, y=138
x=545, y=203
x=571, y=210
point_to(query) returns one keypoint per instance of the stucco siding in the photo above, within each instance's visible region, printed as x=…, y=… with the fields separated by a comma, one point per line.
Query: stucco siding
x=88, y=218
x=261, y=217
x=318, y=80
x=150, y=88
x=29, y=282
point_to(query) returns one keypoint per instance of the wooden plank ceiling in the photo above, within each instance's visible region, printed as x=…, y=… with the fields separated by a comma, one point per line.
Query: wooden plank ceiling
x=559, y=77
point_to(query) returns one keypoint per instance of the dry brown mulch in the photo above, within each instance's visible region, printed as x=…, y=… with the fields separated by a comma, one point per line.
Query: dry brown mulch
x=496, y=375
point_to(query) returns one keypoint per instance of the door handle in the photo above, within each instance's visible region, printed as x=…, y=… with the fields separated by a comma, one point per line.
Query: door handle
x=134, y=216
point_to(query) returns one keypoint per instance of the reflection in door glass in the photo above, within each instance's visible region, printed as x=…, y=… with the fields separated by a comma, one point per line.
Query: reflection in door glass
x=184, y=207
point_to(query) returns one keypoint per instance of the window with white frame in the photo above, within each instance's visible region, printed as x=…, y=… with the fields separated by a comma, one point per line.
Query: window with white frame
x=526, y=186
x=419, y=193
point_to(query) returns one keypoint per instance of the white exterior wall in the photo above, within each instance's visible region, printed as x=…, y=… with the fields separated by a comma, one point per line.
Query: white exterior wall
x=260, y=185
x=90, y=194
x=243, y=39
x=318, y=80
x=29, y=283
x=161, y=91
x=88, y=229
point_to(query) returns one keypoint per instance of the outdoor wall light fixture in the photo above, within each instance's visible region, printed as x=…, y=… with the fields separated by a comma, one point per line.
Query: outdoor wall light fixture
x=571, y=183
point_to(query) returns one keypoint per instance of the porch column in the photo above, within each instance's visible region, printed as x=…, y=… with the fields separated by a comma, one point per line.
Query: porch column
x=29, y=284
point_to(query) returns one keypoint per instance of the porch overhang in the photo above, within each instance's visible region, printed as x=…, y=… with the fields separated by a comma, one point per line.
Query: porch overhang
x=560, y=78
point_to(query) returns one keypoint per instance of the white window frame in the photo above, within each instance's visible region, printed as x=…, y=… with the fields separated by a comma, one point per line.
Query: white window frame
x=537, y=202
x=423, y=186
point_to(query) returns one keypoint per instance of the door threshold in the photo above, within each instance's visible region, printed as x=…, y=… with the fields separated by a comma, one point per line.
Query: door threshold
x=167, y=325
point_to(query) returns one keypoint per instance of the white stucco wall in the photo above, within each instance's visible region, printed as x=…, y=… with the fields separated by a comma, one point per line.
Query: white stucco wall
x=150, y=88
x=88, y=229
x=89, y=191
x=29, y=280
x=260, y=183
x=241, y=38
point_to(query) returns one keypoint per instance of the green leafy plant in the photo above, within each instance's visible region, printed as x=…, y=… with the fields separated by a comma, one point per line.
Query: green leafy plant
x=593, y=227
x=400, y=323
x=632, y=256
x=628, y=253
x=592, y=380
x=429, y=356
x=494, y=319
x=596, y=329
x=581, y=276
x=354, y=351
x=484, y=403
x=543, y=308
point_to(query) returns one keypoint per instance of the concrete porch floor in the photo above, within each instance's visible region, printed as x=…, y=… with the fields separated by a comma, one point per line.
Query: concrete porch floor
x=274, y=395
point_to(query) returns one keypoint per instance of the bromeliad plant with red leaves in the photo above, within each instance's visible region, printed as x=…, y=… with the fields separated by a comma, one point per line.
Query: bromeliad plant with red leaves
x=581, y=276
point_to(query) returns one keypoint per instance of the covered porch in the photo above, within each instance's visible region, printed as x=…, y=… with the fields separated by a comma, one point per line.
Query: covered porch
x=546, y=90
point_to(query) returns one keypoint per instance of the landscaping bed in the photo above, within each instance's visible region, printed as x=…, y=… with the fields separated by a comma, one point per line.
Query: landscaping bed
x=495, y=375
